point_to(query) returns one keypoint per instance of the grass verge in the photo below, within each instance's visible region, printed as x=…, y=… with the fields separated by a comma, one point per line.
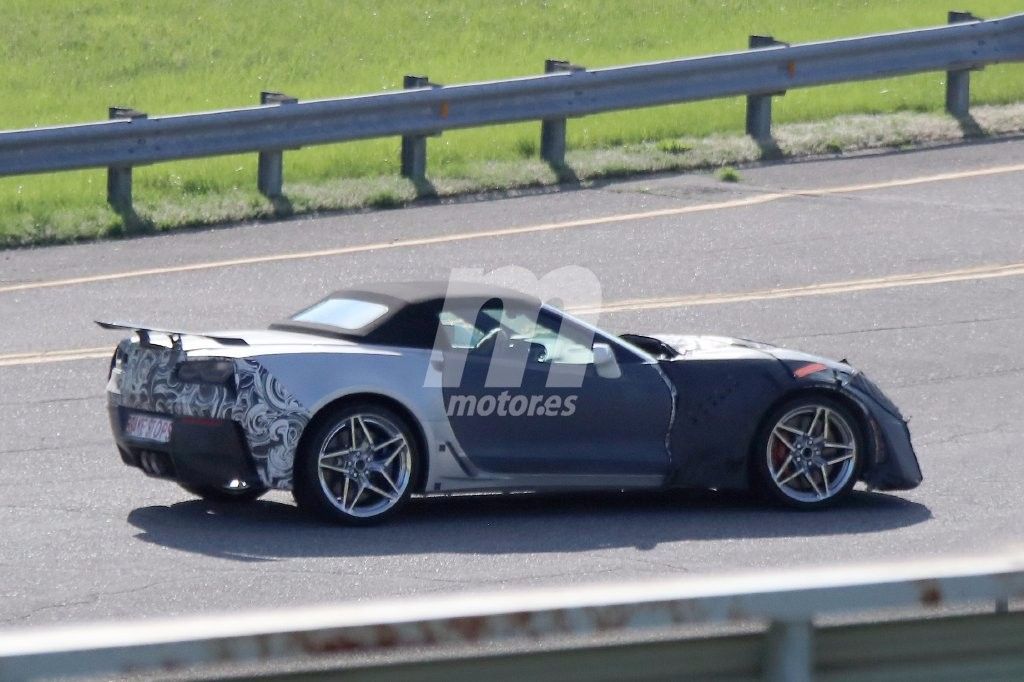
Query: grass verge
x=66, y=62
x=721, y=152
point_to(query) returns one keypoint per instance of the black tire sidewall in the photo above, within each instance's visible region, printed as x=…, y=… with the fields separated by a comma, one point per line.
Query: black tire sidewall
x=306, y=488
x=762, y=476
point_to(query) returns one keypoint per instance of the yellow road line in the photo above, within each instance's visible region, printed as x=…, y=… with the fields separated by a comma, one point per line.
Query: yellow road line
x=397, y=244
x=54, y=356
x=16, y=356
x=920, y=180
x=511, y=231
x=844, y=287
x=981, y=272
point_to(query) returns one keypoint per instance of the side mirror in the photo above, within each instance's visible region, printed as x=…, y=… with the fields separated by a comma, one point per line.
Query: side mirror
x=605, y=363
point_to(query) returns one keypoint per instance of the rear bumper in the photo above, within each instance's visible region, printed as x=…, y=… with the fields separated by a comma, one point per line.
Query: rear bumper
x=201, y=451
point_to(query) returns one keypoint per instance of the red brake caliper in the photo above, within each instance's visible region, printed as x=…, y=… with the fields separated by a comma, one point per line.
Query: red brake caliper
x=779, y=451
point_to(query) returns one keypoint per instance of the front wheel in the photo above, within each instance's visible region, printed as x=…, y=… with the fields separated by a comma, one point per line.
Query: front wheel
x=809, y=453
x=358, y=467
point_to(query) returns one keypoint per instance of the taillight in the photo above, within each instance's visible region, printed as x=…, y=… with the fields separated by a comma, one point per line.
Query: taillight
x=206, y=371
x=116, y=360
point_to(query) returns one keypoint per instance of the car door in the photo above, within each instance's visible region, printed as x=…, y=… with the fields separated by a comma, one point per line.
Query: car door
x=548, y=408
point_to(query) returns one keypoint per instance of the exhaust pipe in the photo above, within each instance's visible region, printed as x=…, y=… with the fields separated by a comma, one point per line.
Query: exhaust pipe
x=154, y=463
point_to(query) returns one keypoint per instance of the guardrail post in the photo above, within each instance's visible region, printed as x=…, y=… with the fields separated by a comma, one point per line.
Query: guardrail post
x=119, y=178
x=270, y=168
x=552, y=130
x=759, y=107
x=958, y=83
x=414, y=147
x=790, y=654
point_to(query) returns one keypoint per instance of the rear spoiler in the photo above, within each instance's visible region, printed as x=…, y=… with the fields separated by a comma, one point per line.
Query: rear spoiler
x=173, y=335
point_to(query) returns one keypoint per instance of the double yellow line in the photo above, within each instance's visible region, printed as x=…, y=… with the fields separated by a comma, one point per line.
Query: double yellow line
x=512, y=231
x=848, y=286
x=38, y=358
x=825, y=289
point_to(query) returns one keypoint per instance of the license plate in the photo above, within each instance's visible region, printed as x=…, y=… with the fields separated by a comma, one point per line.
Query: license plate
x=146, y=427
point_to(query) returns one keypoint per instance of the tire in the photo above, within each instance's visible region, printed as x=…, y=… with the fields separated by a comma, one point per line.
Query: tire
x=214, y=493
x=809, y=452
x=362, y=481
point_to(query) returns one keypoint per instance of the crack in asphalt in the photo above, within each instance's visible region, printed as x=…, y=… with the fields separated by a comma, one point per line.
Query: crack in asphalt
x=55, y=449
x=952, y=378
x=88, y=599
x=909, y=202
x=57, y=508
x=901, y=327
x=688, y=191
x=658, y=564
x=697, y=191
x=74, y=399
x=1002, y=427
x=54, y=401
x=516, y=580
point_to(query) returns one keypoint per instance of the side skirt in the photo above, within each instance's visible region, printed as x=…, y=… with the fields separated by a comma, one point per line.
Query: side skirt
x=547, y=482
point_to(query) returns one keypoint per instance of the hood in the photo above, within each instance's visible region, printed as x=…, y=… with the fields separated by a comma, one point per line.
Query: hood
x=729, y=348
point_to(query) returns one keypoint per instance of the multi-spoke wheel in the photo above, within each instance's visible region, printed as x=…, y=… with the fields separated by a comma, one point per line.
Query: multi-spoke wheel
x=358, y=467
x=236, y=491
x=809, y=453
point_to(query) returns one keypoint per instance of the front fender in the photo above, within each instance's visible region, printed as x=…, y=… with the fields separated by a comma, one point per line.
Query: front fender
x=893, y=464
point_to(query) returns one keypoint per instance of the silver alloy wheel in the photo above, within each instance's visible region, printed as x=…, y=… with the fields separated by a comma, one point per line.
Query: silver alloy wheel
x=812, y=453
x=365, y=465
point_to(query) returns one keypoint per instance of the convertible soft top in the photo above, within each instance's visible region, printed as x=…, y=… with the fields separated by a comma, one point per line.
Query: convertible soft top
x=413, y=308
x=416, y=292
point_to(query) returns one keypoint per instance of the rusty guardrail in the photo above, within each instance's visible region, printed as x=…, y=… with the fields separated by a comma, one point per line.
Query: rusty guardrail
x=792, y=647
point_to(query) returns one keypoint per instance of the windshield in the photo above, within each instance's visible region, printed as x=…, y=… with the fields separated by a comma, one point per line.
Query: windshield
x=347, y=314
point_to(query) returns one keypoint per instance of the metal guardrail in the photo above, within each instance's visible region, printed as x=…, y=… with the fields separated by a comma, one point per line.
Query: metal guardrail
x=424, y=109
x=791, y=648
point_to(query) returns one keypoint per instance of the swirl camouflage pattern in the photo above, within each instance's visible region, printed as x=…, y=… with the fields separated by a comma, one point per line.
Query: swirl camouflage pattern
x=272, y=419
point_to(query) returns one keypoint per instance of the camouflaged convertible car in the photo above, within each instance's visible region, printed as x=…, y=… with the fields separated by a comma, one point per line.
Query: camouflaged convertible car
x=381, y=392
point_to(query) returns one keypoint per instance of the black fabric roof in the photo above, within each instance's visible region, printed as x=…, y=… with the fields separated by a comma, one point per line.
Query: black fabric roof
x=434, y=290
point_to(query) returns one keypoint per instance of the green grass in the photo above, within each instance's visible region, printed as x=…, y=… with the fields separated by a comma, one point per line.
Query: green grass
x=727, y=174
x=67, y=62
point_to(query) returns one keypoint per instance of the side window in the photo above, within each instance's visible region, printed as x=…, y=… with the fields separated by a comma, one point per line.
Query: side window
x=550, y=344
x=563, y=347
x=460, y=333
x=464, y=334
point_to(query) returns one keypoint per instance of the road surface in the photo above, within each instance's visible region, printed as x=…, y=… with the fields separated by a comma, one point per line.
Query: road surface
x=910, y=265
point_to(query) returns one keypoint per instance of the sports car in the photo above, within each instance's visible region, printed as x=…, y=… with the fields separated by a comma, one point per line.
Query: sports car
x=381, y=392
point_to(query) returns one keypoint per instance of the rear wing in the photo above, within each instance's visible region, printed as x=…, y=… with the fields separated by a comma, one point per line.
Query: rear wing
x=172, y=334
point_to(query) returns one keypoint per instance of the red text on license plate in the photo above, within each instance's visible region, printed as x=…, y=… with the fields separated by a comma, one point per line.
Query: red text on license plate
x=149, y=428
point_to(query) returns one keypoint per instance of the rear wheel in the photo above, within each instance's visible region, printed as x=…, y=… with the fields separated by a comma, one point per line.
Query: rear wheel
x=236, y=492
x=358, y=466
x=809, y=453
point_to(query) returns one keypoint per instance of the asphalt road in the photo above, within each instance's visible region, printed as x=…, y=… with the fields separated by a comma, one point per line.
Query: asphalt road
x=85, y=538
